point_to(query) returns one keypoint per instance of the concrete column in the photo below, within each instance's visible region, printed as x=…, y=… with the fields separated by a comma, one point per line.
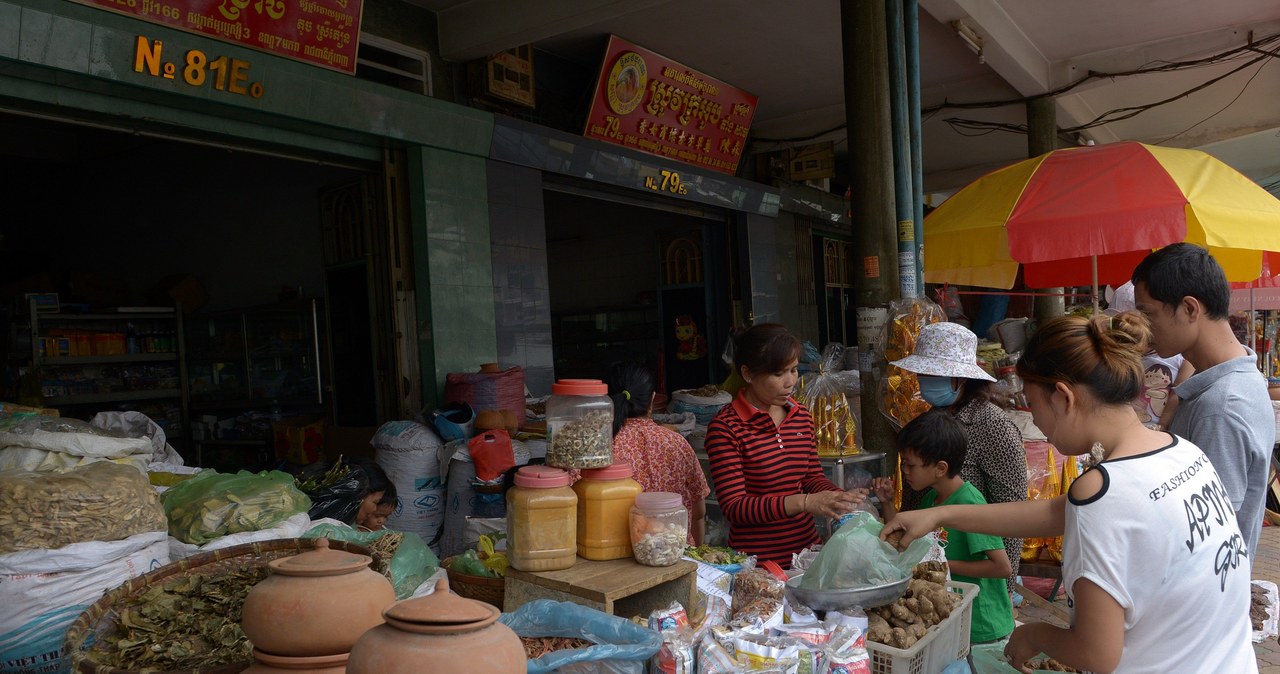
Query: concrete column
x=866, y=96
x=1042, y=137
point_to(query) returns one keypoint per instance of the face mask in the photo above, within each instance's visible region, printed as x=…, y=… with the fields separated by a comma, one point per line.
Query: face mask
x=937, y=391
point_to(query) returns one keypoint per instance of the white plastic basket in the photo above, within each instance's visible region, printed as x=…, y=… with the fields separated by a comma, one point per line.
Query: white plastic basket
x=945, y=643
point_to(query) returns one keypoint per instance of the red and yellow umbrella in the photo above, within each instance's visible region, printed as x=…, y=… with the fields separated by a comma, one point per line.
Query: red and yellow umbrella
x=1059, y=213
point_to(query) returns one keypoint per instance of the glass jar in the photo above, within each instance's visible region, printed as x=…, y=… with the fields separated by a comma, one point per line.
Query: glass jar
x=579, y=424
x=605, y=497
x=542, y=517
x=659, y=528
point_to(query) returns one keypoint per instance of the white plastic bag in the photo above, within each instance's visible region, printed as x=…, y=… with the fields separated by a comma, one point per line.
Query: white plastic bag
x=40, y=443
x=409, y=452
x=42, y=591
x=139, y=425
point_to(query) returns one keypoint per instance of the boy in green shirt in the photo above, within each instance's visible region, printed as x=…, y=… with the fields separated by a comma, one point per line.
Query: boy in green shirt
x=932, y=449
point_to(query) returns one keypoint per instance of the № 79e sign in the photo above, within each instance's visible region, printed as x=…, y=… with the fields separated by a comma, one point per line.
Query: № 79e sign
x=651, y=103
x=325, y=33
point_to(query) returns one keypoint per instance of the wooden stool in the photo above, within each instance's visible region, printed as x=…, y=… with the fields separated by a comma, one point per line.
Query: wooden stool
x=618, y=587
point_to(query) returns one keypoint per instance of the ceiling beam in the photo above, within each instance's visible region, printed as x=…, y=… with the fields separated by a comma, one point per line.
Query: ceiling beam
x=480, y=28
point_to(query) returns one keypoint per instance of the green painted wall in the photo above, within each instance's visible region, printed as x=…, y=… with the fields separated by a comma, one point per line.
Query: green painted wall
x=76, y=62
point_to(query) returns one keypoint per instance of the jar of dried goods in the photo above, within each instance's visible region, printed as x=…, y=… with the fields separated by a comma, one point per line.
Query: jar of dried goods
x=542, y=520
x=579, y=424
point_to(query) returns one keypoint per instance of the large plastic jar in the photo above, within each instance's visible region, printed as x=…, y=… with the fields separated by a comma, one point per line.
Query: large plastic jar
x=605, y=497
x=542, y=520
x=579, y=424
x=659, y=528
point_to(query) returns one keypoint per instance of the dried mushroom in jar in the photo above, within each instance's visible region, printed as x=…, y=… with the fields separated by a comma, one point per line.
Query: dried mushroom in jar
x=585, y=442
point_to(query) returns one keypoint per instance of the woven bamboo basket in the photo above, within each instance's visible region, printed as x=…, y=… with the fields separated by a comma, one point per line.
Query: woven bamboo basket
x=487, y=590
x=98, y=622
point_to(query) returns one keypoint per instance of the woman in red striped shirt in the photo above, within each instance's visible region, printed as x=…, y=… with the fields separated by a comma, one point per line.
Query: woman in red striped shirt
x=764, y=462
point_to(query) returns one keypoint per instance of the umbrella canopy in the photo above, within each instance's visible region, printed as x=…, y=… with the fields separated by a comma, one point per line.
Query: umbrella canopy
x=1058, y=212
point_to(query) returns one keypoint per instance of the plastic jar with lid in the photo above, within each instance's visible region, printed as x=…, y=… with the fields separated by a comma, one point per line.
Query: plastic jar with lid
x=579, y=424
x=605, y=497
x=542, y=520
x=659, y=528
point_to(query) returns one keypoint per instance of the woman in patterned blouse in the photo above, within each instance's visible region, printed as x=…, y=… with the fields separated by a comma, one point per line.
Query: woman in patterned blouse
x=661, y=459
x=764, y=462
x=946, y=362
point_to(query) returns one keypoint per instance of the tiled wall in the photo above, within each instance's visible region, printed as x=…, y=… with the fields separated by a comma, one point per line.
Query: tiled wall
x=762, y=247
x=521, y=299
x=449, y=195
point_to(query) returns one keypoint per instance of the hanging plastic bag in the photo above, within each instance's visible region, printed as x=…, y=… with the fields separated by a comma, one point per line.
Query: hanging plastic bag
x=211, y=505
x=1042, y=484
x=898, y=394
x=491, y=452
x=411, y=561
x=622, y=647
x=835, y=422
x=856, y=557
x=1070, y=471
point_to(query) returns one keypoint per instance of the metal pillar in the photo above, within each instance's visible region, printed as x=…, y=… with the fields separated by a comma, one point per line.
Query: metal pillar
x=911, y=29
x=866, y=96
x=904, y=208
x=1042, y=137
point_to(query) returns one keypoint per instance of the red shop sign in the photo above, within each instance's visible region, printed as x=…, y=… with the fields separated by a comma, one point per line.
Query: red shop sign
x=651, y=103
x=325, y=33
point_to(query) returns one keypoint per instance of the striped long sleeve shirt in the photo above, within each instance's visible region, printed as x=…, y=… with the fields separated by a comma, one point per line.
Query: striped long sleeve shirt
x=755, y=465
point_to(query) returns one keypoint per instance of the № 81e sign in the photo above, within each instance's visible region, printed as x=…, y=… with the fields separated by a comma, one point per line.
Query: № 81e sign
x=651, y=103
x=325, y=33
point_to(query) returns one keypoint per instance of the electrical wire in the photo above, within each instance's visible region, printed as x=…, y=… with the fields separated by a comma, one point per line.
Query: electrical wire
x=1220, y=110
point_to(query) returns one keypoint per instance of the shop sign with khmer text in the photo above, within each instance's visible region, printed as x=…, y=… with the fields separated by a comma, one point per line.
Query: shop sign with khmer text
x=651, y=103
x=320, y=32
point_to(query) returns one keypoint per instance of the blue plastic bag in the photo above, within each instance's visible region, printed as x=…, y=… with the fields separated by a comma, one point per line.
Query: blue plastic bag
x=622, y=646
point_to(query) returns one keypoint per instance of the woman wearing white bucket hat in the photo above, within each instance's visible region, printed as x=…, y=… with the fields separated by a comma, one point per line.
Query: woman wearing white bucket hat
x=945, y=361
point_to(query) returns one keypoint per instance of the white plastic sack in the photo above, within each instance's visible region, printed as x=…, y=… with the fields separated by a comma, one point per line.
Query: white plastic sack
x=409, y=452
x=42, y=591
x=39, y=443
x=293, y=527
x=139, y=425
x=41, y=460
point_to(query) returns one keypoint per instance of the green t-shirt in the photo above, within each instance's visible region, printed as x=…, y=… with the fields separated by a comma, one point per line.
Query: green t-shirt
x=992, y=610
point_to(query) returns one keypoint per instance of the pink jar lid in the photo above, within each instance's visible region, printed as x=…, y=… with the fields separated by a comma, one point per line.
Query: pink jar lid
x=579, y=387
x=617, y=471
x=658, y=500
x=542, y=477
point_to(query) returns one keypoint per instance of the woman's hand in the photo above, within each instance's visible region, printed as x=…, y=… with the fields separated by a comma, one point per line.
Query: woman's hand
x=882, y=487
x=834, y=503
x=1019, y=648
x=913, y=524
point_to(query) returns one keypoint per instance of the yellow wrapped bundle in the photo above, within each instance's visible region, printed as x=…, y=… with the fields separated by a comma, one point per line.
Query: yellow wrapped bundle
x=899, y=391
x=835, y=423
x=1070, y=471
x=1042, y=484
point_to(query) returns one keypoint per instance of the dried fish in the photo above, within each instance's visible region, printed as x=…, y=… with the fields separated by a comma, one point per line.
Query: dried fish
x=536, y=647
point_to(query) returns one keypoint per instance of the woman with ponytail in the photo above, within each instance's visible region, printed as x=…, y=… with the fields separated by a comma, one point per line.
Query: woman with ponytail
x=661, y=459
x=1150, y=542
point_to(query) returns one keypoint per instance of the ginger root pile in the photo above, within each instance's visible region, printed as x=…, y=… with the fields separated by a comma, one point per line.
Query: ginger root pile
x=926, y=603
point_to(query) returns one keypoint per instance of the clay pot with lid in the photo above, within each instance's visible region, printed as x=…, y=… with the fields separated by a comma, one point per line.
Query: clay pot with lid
x=440, y=633
x=315, y=603
x=265, y=663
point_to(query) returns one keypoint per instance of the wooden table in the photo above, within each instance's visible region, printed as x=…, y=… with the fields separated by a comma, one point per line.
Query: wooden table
x=1044, y=568
x=619, y=587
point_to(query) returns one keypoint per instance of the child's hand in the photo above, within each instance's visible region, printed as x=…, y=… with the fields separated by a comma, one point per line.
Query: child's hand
x=882, y=487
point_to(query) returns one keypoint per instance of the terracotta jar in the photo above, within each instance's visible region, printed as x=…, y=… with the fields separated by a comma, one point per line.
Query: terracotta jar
x=440, y=633
x=265, y=663
x=315, y=603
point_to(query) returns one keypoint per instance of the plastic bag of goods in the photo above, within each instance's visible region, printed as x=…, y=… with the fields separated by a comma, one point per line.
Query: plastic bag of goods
x=43, y=591
x=405, y=560
x=899, y=391
x=409, y=452
x=1042, y=484
x=139, y=425
x=702, y=402
x=602, y=642
x=336, y=491
x=95, y=502
x=41, y=443
x=293, y=527
x=856, y=557
x=835, y=422
x=211, y=505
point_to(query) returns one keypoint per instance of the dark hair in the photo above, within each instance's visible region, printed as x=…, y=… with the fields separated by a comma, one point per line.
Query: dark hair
x=1103, y=354
x=631, y=388
x=935, y=436
x=1185, y=270
x=378, y=480
x=765, y=347
x=970, y=390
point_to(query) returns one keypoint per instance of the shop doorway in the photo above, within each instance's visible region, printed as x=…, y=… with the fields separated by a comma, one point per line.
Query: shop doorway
x=635, y=281
x=835, y=311
x=103, y=217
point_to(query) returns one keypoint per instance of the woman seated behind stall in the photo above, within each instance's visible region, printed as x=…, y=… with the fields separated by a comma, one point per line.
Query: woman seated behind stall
x=764, y=461
x=661, y=459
